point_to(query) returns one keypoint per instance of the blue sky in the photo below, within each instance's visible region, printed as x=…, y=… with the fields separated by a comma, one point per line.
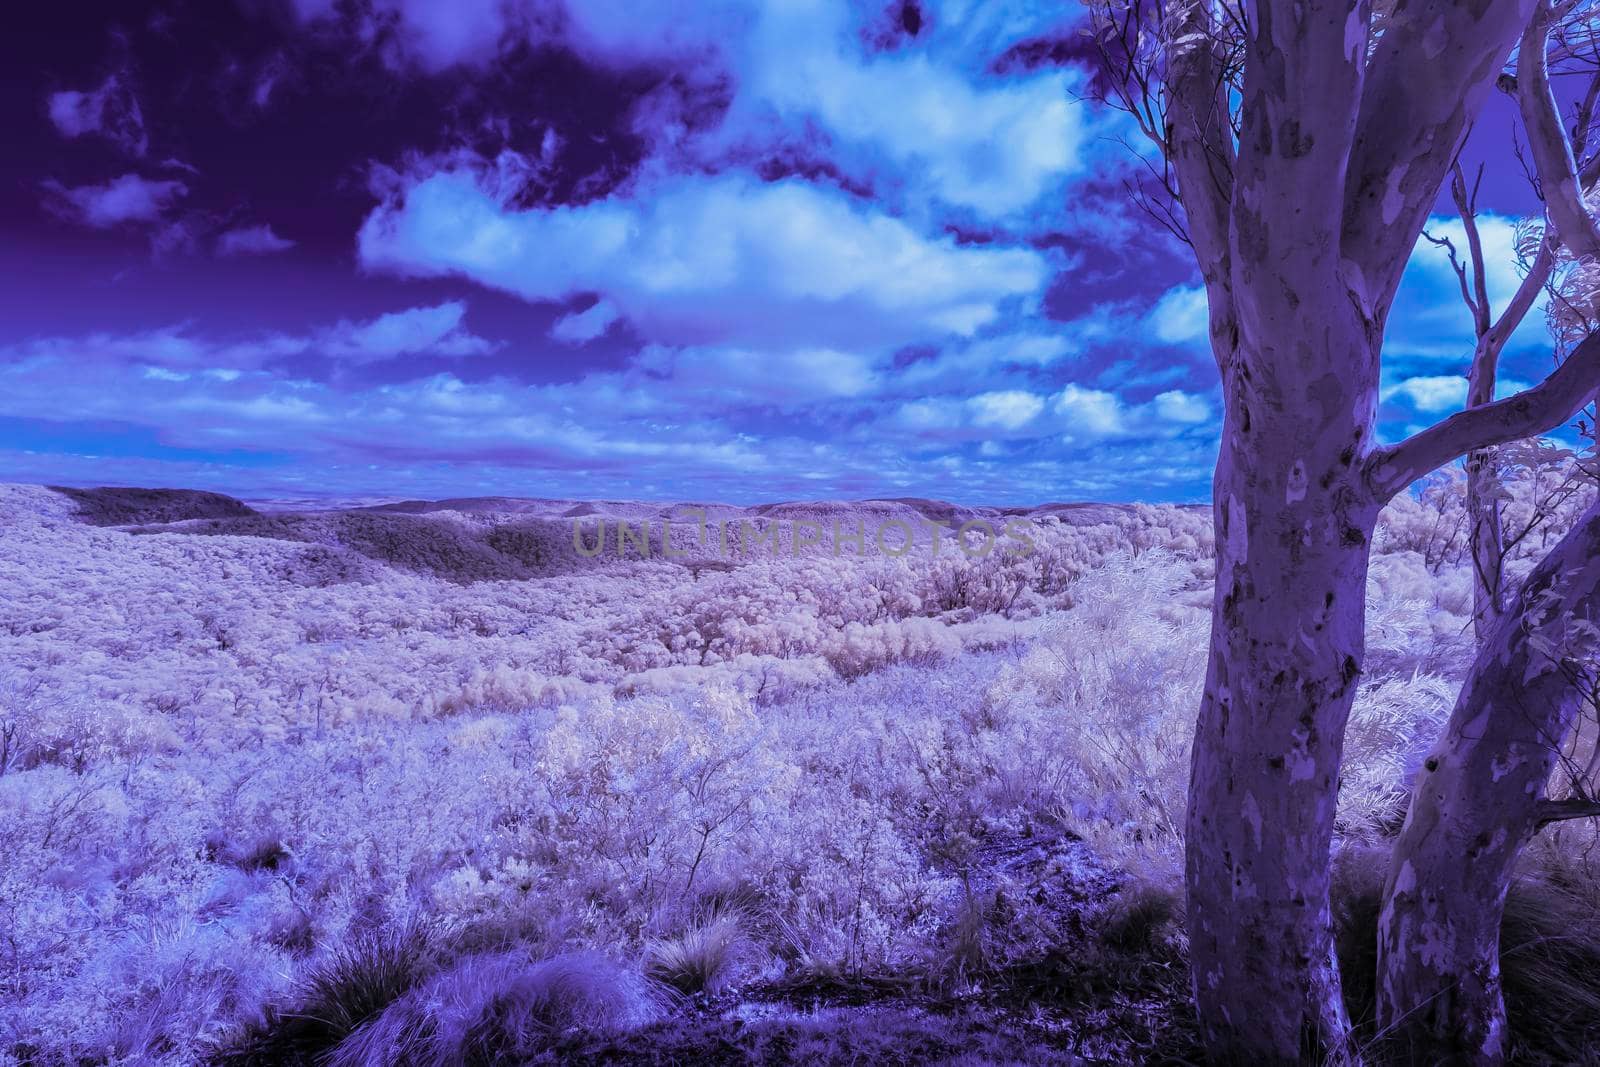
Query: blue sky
x=730, y=250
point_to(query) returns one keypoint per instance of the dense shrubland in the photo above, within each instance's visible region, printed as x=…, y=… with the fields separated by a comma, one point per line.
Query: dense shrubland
x=262, y=800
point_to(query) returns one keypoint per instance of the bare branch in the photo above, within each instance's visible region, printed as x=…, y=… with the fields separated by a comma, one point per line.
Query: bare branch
x=1467, y=206
x=1532, y=411
x=1449, y=246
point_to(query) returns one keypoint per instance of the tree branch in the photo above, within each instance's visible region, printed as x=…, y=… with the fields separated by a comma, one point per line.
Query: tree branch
x=1414, y=116
x=1199, y=135
x=1548, y=142
x=1549, y=811
x=1467, y=207
x=1532, y=411
x=1522, y=301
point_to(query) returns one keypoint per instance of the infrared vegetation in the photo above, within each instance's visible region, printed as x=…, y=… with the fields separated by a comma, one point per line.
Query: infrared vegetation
x=438, y=783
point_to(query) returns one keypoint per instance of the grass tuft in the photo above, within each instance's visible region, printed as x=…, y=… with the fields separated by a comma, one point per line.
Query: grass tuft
x=699, y=960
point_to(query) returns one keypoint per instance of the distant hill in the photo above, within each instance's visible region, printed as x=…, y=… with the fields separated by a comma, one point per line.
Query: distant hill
x=472, y=539
x=111, y=506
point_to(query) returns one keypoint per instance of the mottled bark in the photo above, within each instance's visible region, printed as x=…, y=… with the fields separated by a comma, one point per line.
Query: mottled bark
x=1337, y=164
x=1477, y=802
x=1286, y=650
x=1298, y=353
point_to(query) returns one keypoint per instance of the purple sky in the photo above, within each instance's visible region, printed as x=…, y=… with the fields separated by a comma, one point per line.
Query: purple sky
x=735, y=249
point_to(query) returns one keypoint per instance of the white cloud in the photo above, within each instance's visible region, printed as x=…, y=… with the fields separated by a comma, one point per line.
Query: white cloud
x=927, y=122
x=1010, y=409
x=993, y=146
x=251, y=241
x=998, y=359
x=1174, y=405
x=436, y=331
x=931, y=415
x=1434, y=394
x=715, y=378
x=582, y=326
x=1431, y=393
x=129, y=198
x=1090, y=413
x=1077, y=413
x=432, y=330
x=1429, y=319
x=695, y=260
x=1180, y=316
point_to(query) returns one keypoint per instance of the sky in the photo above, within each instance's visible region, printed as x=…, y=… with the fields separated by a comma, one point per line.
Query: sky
x=733, y=250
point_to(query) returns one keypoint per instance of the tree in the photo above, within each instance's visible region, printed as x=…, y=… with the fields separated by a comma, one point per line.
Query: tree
x=1482, y=793
x=1479, y=800
x=1306, y=142
x=1550, y=267
x=1486, y=536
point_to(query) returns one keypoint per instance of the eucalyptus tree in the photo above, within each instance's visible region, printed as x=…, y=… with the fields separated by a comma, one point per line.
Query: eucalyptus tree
x=1483, y=792
x=1307, y=142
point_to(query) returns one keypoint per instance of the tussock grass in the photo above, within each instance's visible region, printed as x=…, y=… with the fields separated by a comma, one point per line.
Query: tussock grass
x=699, y=960
x=500, y=1008
x=361, y=978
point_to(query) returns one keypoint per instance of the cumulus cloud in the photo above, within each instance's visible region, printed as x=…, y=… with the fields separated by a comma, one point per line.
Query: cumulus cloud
x=931, y=118
x=997, y=358
x=580, y=327
x=697, y=420
x=251, y=241
x=1434, y=394
x=1181, y=316
x=1009, y=409
x=1176, y=406
x=1090, y=413
x=434, y=330
x=128, y=199
x=111, y=111
x=716, y=378
x=695, y=260
x=1076, y=413
x=929, y=122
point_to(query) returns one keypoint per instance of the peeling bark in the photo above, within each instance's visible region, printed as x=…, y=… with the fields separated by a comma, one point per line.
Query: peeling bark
x=1477, y=802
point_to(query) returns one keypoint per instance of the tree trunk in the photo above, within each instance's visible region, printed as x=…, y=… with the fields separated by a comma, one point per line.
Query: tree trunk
x=1294, y=519
x=1477, y=802
x=1487, y=541
x=1486, y=538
